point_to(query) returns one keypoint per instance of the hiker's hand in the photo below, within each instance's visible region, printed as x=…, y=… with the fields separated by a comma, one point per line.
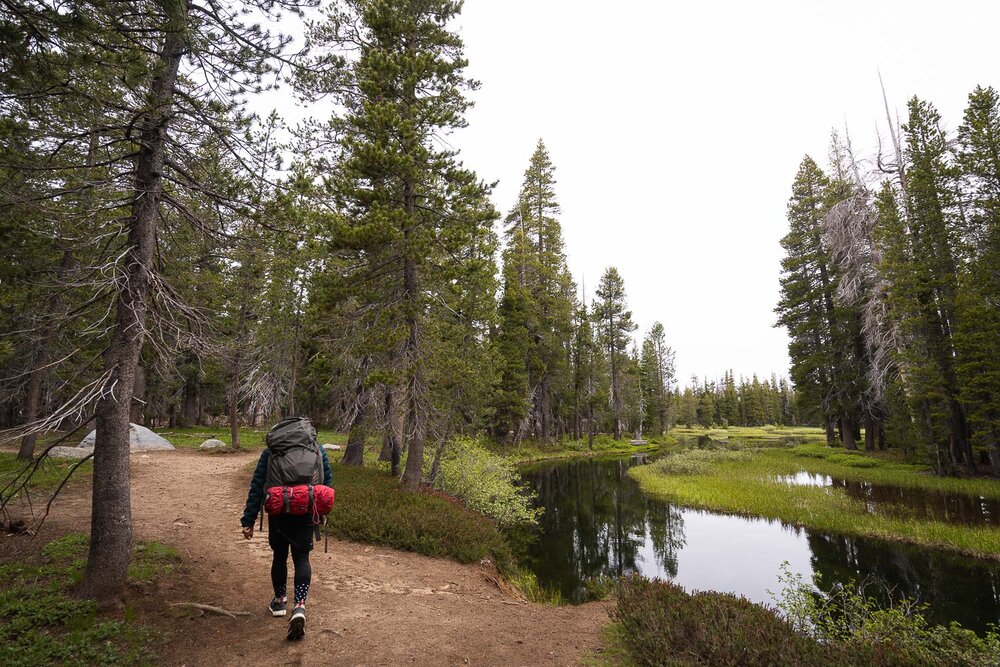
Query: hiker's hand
x=247, y=532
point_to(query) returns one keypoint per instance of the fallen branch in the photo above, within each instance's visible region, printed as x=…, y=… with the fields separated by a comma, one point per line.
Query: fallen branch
x=209, y=608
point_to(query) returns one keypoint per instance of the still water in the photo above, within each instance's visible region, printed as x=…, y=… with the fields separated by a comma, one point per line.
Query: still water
x=598, y=522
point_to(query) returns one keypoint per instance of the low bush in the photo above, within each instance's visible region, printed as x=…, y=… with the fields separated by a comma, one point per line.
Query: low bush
x=41, y=624
x=486, y=483
x=696, y=461
x=659, y=624
x=371, y=508
x=857, y=617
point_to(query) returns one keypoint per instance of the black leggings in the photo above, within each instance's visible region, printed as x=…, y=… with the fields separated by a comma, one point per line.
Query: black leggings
x=297, y=537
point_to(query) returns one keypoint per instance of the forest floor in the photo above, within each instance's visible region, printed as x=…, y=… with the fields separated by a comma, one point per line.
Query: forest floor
x=368, y=605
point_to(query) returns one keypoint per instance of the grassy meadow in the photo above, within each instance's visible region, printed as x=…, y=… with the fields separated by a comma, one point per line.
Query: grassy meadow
x=740, y=476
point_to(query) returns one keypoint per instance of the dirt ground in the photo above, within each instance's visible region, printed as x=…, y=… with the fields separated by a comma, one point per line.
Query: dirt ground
x=367, y=605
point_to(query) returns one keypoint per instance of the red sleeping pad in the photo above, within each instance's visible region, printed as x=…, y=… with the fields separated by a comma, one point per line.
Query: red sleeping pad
x=299, y=500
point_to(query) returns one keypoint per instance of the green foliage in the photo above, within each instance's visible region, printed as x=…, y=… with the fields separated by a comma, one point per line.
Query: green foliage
x=370, y=508
x=854, y=615
x=45, y=479
x=527, y=584
x=41, y=624
x=696, y=461
x=752, y=486
x=660, y=625
x=152, y=559
x=486, y=483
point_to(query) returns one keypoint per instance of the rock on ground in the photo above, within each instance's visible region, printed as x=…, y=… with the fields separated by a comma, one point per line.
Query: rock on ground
x=70, y=452
x=333, y=448
x=212, y=443
x=140, y=439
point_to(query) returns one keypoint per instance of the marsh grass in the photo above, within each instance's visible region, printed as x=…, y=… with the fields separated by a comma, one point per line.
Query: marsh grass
x=748, y=487
x=604, y=445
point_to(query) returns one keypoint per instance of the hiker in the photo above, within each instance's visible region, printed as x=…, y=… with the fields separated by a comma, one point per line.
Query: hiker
x=292, y=462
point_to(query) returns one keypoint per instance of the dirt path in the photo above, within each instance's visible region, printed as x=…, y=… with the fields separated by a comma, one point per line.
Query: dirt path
x=367, y=605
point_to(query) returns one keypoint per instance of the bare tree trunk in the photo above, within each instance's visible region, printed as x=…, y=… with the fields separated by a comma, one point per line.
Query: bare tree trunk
x=847, y=431
x=137, y=411
x=111, y=517
x=416, y=422
x=39, y=370
x=355, y=454
x=870, y=431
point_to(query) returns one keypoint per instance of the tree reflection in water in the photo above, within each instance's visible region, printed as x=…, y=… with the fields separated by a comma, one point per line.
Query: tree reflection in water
x=598, y=523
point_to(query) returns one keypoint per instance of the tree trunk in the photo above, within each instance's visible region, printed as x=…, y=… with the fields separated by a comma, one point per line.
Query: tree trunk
x=138, y=409
x=189, y=412
x=544, y=408
x=416, y=419
x=39, y=370
x=355, y=454
x=111, y=517
x=847, y=431
x=831, y=436
x=870, y=429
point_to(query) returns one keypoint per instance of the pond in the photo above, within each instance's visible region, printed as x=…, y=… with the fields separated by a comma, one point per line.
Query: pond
x=904, y=502
x=598, y=522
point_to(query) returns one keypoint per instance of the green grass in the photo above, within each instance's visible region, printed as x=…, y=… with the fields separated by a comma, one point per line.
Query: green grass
x=529, y=451
x=190, y=437
x=761, y=434
x=613, y=652
x=41, y=624
x=747, y=487
x=371, y=508
x=50, y=472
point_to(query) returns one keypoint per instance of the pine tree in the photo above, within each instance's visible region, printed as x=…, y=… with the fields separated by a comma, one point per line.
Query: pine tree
x=411, y=216
x=537, y=262
x=616, y=326
x=919, y=260
x=977, y=334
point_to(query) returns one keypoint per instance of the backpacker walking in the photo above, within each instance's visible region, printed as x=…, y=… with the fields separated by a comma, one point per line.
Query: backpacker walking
x=292, y=481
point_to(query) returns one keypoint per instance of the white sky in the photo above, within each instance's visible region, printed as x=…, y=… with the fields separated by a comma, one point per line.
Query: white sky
x=676, y=130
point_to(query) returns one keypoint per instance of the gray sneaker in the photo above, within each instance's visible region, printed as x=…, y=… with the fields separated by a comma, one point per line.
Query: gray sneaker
x=278, y=608
x=297, y=626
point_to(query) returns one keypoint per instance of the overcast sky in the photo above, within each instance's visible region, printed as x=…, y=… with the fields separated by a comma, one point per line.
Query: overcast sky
x=676, y=130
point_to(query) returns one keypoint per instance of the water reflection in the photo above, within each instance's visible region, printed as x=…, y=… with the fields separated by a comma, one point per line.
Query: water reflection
x=597, y=522
x=904, y=502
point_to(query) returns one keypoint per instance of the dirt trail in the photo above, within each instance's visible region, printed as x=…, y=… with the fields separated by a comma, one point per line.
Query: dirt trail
x=367, y=605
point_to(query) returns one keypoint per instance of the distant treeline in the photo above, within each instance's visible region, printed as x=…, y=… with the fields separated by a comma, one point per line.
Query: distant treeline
x=891, y=288
x=726, y=403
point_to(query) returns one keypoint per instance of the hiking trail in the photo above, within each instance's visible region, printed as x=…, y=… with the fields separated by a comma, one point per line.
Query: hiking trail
x=368, y=605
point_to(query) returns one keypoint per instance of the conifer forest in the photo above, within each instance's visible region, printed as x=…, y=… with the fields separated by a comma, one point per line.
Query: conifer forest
x=176, y=258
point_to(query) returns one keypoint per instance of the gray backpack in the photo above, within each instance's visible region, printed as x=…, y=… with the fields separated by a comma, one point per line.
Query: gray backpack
x=295, y=454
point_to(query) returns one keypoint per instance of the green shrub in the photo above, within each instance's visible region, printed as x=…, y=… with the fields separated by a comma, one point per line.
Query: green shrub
x=371, y=508
x=486, y=483
x=852, y=616
x=40, y=624
x=661, y=624
x=696, y=461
